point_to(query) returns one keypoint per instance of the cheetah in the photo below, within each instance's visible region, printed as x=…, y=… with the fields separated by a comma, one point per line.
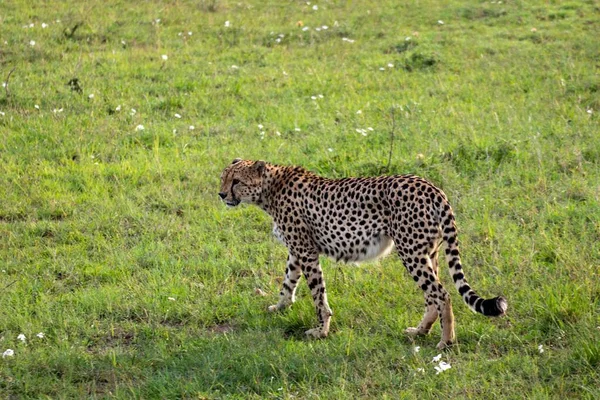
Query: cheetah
x=354, y=220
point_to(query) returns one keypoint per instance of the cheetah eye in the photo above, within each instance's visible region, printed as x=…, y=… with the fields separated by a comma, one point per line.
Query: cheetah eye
x=235, y=182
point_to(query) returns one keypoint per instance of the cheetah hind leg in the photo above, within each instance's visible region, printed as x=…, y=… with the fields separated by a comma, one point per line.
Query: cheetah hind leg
x=424, y=326
x=431, y=314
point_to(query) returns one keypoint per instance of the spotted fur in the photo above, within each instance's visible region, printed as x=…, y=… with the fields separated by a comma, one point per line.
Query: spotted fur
x=353, y=220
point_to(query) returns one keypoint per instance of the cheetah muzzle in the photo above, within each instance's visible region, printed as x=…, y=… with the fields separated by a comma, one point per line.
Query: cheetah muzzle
x=353, y=220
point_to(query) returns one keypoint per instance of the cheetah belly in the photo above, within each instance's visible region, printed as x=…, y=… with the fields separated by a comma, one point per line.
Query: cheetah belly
x=379, y=246
x=359, y=248
x=371, y=247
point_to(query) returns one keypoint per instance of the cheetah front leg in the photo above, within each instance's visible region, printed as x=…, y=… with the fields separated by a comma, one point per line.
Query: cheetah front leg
x=287, y=296
x=314, y=277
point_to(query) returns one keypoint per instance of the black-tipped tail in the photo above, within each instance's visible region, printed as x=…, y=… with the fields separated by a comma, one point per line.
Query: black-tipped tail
x=493, y=307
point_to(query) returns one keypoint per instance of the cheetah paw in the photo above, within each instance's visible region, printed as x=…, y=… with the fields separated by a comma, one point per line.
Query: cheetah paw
x=316, y=333
x=414, y=332
x=443, y=345
x=274, y=308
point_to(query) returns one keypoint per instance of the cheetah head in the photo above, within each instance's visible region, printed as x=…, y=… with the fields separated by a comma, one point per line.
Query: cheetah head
x=241, y=182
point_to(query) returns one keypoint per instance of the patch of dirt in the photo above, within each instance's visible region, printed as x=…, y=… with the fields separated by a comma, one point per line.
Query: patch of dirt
x=118, y=337
x=221, y=328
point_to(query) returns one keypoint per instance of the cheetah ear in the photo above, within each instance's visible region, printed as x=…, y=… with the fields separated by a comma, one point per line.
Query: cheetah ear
x=237, y=160
x=259, y=166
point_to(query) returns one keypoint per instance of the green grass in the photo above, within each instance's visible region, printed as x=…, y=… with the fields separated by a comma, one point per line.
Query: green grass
x=101, y=224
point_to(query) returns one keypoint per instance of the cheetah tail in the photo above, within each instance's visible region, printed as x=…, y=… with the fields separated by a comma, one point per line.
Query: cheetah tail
x=490, y=307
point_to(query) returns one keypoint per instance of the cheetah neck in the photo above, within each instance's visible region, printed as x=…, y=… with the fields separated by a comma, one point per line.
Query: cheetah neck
x=275, y=179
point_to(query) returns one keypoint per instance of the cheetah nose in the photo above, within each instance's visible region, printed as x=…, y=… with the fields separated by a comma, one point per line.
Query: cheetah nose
x=222, y=195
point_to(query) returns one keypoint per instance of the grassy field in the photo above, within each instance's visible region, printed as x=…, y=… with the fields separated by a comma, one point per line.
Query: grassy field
x=117, y=118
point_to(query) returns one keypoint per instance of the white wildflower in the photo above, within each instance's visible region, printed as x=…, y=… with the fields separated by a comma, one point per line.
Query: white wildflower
x=297, y=129
x=390, y=65
x=118, y=108
x=437, y=358
x=192, y=127
x=44, y=25
x=315, y=7
x=260, y=126
x=139, y=128
x=164, y=57
x=313, y=97
x=171, y=298
x=324, y=27
x=2, y=113
x=382, y=69
x=421, y=370
x=235, y=67
x=370, y=129
x=348, y=40
x=407, y=38
x=41, y=335
x=36, y=107
x=318, y=29
x=32, y=42
x=416, y=349
x=177, y=116
x=541, y=348
x=590, y=111
x=321, y=96
x=8, y=353
x=190, y=33
x=441, y=367
x=278, y=133
x=91, y=96
x=330, y=150
x=3, y=84
x=305, y=28
x=57, y=110
x=440, y=22
x=21, y=337
x=359, y=112
x=227, y=24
